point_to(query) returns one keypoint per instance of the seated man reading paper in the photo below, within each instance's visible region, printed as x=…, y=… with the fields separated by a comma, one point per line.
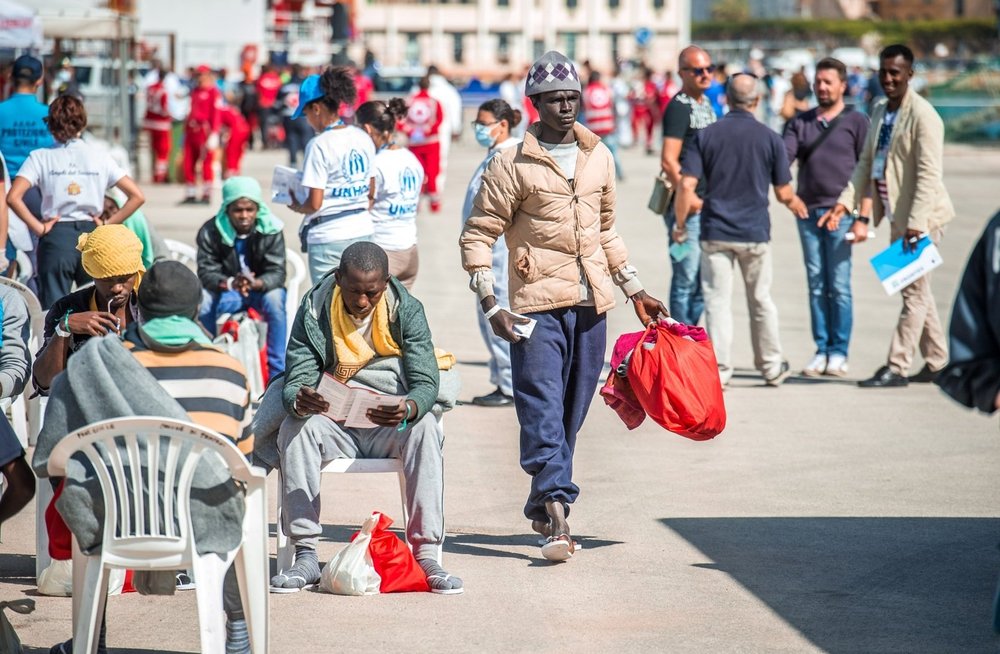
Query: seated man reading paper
x=353, y=315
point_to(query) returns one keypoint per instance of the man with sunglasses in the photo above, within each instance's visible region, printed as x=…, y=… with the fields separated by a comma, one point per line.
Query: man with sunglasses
x=688, y=112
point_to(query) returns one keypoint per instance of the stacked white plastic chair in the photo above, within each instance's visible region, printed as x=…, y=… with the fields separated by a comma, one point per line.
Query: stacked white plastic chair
x=158, y=535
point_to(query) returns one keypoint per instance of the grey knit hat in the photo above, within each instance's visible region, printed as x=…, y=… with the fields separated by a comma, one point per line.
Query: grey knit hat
x=552, y=72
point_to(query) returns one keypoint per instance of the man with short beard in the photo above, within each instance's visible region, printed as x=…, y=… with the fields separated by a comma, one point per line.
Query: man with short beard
x=901, y=166
x=827, y=141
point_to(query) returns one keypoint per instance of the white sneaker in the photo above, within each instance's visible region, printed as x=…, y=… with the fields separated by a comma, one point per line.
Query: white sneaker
x=816, y=367
x=837, y=365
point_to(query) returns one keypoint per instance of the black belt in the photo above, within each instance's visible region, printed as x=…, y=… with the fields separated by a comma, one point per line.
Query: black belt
x=315, y=222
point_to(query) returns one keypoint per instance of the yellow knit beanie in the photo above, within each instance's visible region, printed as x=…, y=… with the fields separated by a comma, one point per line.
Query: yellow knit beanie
x=111, y=251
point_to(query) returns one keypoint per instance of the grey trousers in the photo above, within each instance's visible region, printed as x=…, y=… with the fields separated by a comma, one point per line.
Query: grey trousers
x=305, y=446
x=718, y=260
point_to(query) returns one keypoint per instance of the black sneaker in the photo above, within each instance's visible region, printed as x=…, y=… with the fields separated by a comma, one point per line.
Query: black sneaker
x=783, y=373
x=496, y=398
x=884, y=378
x=189, y=200
x=925, y=376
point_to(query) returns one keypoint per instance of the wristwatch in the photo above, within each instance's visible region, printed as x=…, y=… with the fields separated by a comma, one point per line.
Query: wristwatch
x=864, y=220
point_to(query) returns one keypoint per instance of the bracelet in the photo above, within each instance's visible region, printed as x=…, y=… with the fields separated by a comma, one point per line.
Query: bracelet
x=864, y=220
x=62, y=329
x=492, y=312
x=402, y=425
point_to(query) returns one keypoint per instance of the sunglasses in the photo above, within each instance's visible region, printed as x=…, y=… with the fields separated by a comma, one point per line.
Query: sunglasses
x=707, y=70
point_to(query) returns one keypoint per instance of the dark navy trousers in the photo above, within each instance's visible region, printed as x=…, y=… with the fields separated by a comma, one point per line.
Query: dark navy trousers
x=555, y=373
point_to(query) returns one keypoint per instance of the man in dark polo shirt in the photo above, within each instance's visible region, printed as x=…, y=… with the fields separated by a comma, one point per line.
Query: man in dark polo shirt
x=688, y=112
x=827, y=142
x=739, y=158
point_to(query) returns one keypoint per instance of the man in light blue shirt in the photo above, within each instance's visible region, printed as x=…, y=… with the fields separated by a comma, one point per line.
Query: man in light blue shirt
x=22, y=116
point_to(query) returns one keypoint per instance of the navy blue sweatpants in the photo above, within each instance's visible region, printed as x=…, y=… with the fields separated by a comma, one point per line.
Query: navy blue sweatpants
x=555, y=373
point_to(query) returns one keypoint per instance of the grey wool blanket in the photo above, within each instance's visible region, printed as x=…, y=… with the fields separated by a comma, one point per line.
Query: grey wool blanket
x=384, y=374
x=102, y=381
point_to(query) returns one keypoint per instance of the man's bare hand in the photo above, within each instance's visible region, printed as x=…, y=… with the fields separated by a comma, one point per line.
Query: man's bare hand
x=92, y=323
x=860, y=231
x=243, y=284
x=910, y=240
x=679, y=233
x=648, y=308
x=390, y=416
x=831, y=219
x=798, y=207
x=309, y=403
x=503, y=323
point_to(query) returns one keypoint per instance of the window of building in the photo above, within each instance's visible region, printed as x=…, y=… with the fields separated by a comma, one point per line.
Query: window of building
x=658, y=4
x=503, y=46
x=412, y=53
x=458, y=47
x=503, y=3
x=569, y=47
x=614, y=4
x=571, y=4
x=538, y=48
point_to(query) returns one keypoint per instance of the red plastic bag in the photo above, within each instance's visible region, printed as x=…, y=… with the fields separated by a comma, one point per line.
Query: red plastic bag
x=394, y=562
x=676, y=380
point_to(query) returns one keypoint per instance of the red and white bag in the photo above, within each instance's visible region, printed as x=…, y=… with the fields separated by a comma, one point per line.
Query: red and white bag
x=675, y=377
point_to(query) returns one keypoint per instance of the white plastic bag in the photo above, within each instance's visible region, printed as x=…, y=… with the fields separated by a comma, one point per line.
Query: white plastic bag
x=245, y=348
x=57, y=579
x=351, y=571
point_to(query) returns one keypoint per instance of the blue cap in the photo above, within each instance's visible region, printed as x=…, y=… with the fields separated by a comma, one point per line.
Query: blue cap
x=27, y=67
x=309, y=91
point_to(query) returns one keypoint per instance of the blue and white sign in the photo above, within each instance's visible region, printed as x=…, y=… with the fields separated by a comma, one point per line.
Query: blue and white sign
x=643, y=36
x=897, y=269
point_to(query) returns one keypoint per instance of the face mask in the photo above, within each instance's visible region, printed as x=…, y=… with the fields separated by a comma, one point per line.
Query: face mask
x=483, y=136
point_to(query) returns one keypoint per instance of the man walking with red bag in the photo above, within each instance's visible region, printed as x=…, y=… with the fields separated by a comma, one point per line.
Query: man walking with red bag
x=553, y=199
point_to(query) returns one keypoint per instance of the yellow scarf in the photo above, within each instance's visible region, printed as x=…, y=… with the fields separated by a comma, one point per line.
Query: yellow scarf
x=353, y=352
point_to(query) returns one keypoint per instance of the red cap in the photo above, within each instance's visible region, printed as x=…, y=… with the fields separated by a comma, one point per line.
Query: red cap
x=203, y=69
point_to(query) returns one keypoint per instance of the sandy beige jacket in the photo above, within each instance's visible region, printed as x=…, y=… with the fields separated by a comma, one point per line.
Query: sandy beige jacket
x=913, y=170
x=549, y=224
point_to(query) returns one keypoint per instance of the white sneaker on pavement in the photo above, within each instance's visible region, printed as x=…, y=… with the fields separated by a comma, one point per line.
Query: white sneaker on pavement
x=818, y=366
x=837, y=365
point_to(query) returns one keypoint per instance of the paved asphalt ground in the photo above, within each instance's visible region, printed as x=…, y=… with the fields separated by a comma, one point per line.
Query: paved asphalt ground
x=825, y=517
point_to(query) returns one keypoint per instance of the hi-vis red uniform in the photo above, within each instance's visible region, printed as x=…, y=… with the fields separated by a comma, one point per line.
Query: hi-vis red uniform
x=157, y=122
x=202, y=122
x=422, y=126
x=238, y=133
x=598, y=109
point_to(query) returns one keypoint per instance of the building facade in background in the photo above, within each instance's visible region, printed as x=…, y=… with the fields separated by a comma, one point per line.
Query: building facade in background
x=490, y=37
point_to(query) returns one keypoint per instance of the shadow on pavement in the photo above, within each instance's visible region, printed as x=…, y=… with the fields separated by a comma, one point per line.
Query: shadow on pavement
x=111, y=650
x=17, y=569
x=863, y=584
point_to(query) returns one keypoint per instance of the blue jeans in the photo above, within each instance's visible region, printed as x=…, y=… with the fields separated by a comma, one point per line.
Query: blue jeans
x=271, y=306
x=828, y=271
x=324, y=257
x=499, y=349
x=686, y=300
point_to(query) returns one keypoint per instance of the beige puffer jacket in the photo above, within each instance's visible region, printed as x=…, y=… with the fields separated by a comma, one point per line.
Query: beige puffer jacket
x=549, y=224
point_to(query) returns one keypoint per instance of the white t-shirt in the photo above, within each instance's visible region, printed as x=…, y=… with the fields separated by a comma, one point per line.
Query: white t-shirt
x=398, y=178
x=364, y=327
x=564, y=155
x=73, y=178
x=339, y=161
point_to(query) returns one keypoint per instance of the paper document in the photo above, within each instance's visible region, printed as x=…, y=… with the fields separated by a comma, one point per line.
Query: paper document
x=283, y=181
x=897, y=269
x=350, y=405
x=524, y=330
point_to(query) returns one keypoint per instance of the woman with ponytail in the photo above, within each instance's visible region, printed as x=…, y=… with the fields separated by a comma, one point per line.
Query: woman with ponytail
x=337, y=173
x=395, y=194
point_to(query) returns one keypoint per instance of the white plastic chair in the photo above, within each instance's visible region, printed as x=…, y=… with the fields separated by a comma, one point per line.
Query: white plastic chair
x=26, y=414
x=297, y=274
x=186, y=254
x=159, y=536
x=285, y=549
